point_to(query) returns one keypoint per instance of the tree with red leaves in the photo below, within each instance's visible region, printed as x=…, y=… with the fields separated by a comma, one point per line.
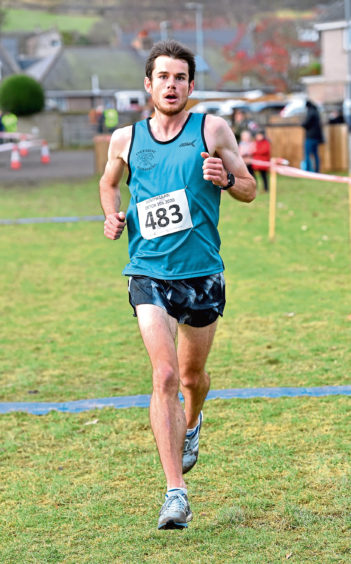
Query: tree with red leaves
x=268, y=59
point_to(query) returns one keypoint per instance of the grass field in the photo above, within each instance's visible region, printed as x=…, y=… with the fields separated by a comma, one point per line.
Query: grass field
x=273, y=479
x=31, y=20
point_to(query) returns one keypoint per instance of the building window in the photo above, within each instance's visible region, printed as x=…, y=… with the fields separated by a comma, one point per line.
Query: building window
x=347, y=39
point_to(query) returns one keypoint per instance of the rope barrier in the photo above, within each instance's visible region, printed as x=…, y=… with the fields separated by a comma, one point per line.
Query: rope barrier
x=278, y=166
x=17, y=135
x=34, y=144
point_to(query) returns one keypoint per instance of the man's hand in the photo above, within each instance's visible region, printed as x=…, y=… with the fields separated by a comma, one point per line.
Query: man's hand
x=114, y=225
x=214, y=170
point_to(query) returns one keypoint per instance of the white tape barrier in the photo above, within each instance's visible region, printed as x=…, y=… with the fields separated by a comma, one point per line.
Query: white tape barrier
x=16, y=135
x=279, y=165
x=6, y=147
x=298, y=173
x=35, y=144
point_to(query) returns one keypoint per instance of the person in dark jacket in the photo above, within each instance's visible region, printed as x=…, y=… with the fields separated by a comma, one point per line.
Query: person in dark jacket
x=313, y=136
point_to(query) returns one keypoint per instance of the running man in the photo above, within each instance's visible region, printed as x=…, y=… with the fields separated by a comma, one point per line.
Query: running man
x=178, y=164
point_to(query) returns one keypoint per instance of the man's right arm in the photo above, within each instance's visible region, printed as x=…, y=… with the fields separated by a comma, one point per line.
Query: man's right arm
x=110, y=183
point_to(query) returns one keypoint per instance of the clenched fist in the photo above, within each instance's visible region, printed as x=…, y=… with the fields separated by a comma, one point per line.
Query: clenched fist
x=214, y=170
x=114, y=225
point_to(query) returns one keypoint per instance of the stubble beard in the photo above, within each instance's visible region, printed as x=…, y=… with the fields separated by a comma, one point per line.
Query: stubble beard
x=170, y=111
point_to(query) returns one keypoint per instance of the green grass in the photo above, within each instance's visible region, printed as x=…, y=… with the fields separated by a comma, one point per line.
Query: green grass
x=30, y=20
x=273, y=478
x=69, y=331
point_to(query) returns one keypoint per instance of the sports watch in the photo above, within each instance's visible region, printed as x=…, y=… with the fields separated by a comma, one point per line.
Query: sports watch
x=231, y=181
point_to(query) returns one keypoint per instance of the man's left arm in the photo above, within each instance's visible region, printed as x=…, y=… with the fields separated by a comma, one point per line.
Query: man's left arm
x=222, y=145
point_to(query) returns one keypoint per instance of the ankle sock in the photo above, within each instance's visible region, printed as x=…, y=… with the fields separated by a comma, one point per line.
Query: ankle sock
x=170, y=491
x=190, y=432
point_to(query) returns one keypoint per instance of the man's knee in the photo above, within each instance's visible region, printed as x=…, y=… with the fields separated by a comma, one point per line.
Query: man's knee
x=165, y=380
x=195, y=379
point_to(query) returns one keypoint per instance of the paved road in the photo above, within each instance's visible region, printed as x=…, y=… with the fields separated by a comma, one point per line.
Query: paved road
x=64, y=165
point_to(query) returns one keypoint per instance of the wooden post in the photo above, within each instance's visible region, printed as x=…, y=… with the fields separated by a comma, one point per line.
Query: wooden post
x=272, y=201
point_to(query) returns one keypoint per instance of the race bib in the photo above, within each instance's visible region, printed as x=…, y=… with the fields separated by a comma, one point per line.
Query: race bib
x=164, y=214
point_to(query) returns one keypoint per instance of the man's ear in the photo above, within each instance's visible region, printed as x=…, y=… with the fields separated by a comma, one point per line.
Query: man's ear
x=147, y=85
x=191, y=87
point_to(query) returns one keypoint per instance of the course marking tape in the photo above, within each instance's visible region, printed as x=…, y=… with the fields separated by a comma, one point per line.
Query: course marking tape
x=36, y=144
x=123, y=402
x=279, y=166
x=16, y=135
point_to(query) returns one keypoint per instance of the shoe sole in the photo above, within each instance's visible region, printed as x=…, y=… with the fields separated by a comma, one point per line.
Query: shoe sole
x=172, y=525
x=175, y=525
x=186, y=470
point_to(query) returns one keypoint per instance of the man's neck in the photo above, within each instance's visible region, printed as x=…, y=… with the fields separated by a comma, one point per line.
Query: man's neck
x=166, y=127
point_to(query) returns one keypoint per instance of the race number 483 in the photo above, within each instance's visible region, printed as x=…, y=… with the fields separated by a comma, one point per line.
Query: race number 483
x=164, y=214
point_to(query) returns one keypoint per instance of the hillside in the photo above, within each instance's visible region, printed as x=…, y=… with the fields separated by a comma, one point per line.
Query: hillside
x=230, y=9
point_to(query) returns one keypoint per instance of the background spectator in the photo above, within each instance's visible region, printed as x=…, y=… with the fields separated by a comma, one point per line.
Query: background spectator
x=110, y=119
x=313, y=136
x=241, y=122
x=262, y=152
x=246, y=148
x=9, y=122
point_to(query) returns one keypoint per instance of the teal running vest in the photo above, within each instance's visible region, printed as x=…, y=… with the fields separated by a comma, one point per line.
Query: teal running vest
x=173, y=212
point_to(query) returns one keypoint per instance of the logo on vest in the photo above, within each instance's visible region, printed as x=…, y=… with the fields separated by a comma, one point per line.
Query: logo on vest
x=145, y=159
x=188, y=144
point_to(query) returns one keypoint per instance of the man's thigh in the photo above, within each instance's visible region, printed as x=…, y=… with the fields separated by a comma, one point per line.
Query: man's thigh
x=158, y=330
x=194, y=345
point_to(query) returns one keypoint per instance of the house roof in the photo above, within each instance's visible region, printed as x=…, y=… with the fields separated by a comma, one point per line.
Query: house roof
x=117, y=69
x=123, y=67
x=334, y=12
x=42, y=67
x=8, y=63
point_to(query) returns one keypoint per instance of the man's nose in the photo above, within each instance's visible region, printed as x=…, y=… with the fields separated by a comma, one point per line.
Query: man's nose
x=171, y=81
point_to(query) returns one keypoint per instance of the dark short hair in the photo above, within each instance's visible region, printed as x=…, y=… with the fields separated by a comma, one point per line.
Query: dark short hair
x=171, y=49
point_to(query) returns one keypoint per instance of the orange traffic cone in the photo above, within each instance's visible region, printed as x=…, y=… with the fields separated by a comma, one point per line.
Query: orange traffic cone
x=45, y=153
x=15, y=158
x=23, y=146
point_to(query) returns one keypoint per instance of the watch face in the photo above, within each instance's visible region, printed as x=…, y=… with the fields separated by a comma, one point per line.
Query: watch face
x=231, y=179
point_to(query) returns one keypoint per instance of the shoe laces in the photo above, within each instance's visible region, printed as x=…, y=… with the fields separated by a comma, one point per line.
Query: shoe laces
x=187, y=444
x=175, y=500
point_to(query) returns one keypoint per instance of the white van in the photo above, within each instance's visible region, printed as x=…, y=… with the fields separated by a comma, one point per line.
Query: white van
x=130, y=100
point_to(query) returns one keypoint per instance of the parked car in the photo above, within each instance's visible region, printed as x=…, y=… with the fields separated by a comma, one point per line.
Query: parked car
x=258, y=111
x=219, y=107
x=228, y=106
x=207, y=107
x=297, y=109
x=294, y=108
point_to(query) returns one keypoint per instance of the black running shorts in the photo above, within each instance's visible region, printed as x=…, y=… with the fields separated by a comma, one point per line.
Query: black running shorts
x=193, y=301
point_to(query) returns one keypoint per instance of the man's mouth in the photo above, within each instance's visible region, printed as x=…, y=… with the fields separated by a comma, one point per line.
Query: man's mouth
x=171, y=97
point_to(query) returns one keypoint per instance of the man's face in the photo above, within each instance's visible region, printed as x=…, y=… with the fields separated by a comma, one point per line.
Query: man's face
x=169, y=86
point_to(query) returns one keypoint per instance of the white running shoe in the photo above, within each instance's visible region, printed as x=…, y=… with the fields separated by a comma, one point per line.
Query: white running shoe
x=191, y=447
x=175, y=512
